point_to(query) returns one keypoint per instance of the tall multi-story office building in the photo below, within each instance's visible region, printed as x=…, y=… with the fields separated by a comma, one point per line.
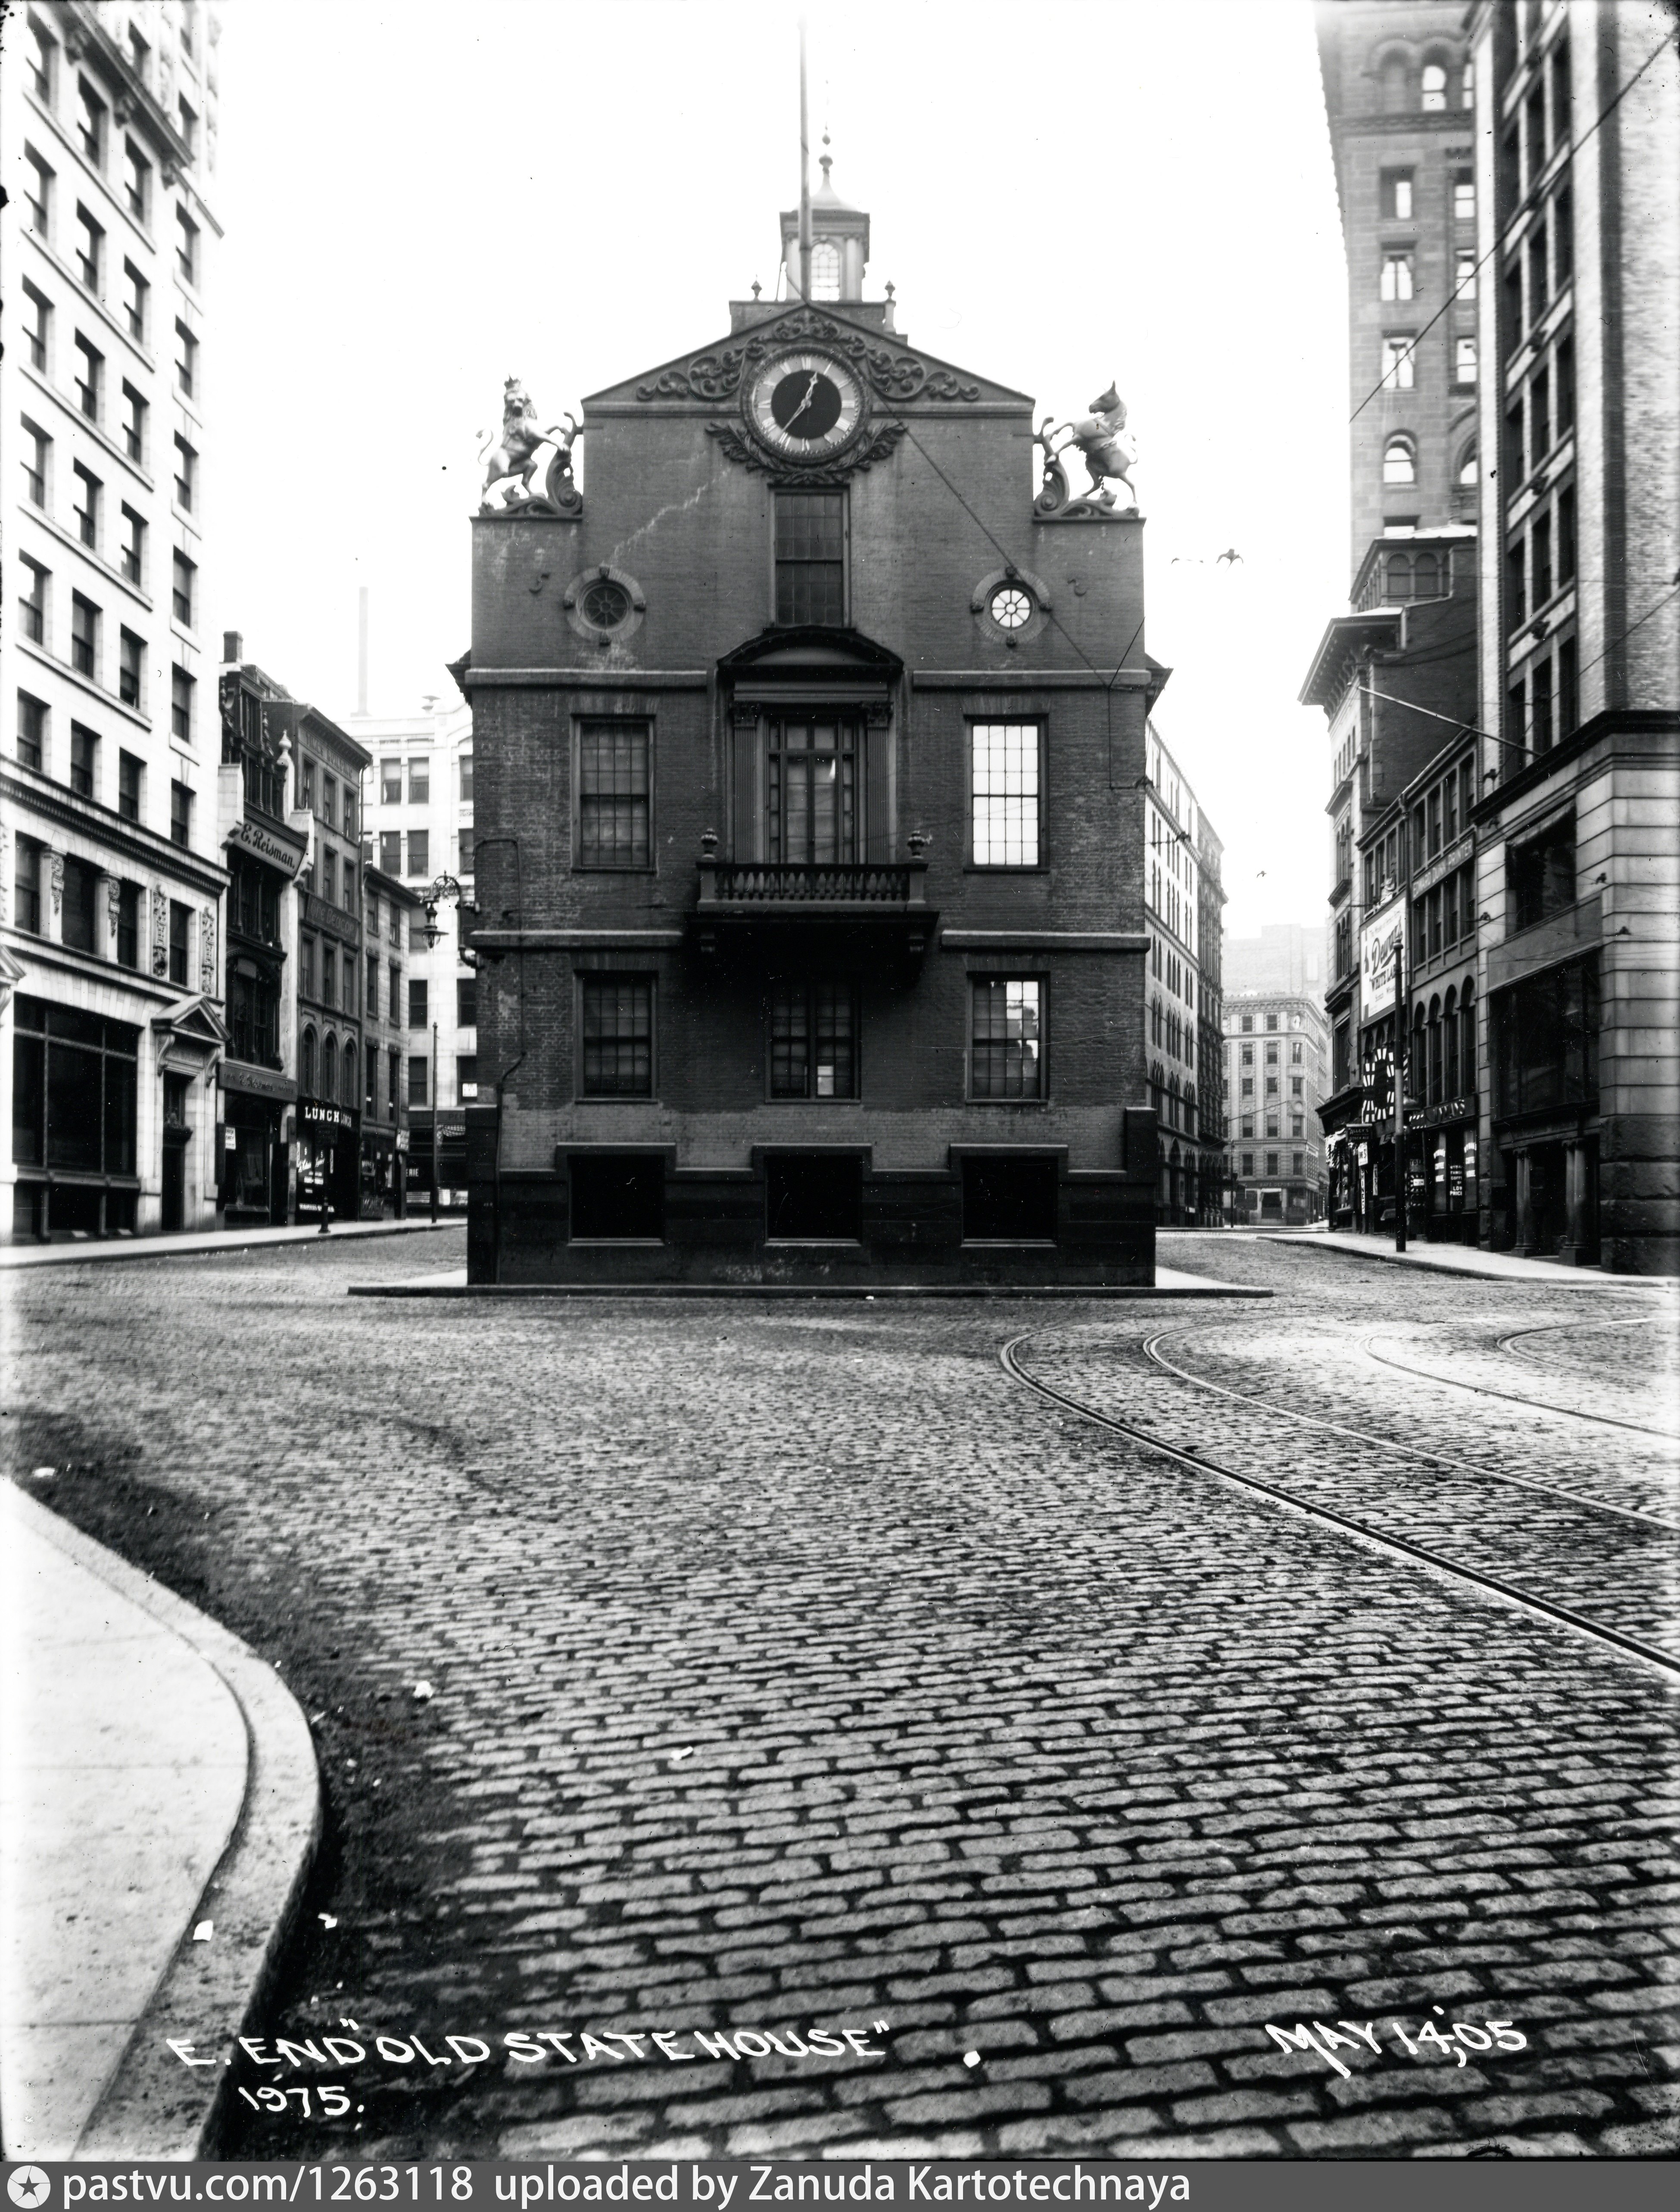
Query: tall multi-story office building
x=418, y=818
x=1183, y=897
x=1396, y=674
x=1578, y=858
x=110, y=872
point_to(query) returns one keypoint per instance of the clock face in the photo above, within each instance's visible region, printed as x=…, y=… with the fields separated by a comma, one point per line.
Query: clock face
x=804, y=406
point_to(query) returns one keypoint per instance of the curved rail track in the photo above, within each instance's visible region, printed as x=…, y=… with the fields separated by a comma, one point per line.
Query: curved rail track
x=1365, y=1532
x=1151, y=1350
x=1514, y=1397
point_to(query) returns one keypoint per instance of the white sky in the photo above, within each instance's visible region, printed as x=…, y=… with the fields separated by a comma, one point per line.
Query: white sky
x=421, y=200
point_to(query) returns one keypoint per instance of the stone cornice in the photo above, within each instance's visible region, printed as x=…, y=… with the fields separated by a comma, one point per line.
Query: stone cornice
x=100, y=824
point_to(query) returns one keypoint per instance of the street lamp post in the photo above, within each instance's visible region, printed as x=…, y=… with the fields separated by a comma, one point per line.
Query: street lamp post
x=441, y=888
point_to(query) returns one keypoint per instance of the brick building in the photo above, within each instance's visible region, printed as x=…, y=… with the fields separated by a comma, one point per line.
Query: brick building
x=111, y=878
x=1577, y=831
x=809, y=821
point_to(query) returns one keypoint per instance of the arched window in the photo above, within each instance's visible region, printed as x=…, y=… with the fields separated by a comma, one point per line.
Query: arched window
x=826, y=269
x=1434, y=1052
x=350, y=1093
x=1426, y=577
x=1395, y=101
x=1399, y=462
x=1435, y=87
x=1450, y=1046
x=1467, y=1037
x=1417, y=1072
x=306, y=1065
x=330, y=1068
x=1398, y=577
x=1467, y=470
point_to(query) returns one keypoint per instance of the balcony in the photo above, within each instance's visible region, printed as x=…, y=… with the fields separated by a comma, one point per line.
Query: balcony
x=873, y=905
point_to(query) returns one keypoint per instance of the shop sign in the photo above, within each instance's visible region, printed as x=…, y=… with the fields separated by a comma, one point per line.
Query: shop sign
x=256, y=1082
x=1379, y=947
x=1454, y=1109
x=230, y=1140
x=402, y=1140
x=1454, y=857
x=330, y=1121
x=452, y=1129
x=273, y=846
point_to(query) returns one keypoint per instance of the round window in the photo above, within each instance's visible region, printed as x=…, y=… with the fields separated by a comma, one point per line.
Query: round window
x=1010, y=607
x=605, y=605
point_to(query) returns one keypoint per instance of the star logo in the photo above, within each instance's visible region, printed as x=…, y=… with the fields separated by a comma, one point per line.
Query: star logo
x=29, y=2186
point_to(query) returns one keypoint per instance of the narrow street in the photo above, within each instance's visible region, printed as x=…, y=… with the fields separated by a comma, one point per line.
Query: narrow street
x=727, y=1666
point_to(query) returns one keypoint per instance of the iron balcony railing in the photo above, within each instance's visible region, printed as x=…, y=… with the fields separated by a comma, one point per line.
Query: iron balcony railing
x=764, y=886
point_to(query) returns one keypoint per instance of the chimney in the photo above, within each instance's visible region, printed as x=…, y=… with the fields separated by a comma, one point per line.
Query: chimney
x=233, y=646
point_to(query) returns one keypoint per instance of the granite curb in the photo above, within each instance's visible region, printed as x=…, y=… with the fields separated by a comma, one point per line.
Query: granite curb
x=196, y=1245
x=153, y=2105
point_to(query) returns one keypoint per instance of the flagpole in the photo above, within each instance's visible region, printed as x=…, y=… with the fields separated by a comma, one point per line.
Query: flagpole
x=804, y=177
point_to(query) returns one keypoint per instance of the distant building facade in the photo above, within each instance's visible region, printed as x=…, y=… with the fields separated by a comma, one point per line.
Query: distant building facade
x=1183, y=897
x=1276, y=1050
x=1578, y=827
x=418, y=818
x=112, y=1023
x=390, y=910
x=810, y=831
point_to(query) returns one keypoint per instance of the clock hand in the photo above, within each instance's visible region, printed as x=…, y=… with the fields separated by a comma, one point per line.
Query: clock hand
x=804, y=403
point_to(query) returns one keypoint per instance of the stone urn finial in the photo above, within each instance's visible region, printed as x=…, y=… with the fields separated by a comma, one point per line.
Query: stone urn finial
x=918, y=841
x=708, y=844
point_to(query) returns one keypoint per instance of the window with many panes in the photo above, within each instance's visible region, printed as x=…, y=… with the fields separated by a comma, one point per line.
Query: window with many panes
x=391, y=852
x=614, y=794
x=813, y=1037
x=466, y=1002
x=390, y=785
x=419, y=853
x=1006, y=1038
x=811, y=793
x=419, y=782
x=618, y=1036
x=810, y=557
x=1004, y=785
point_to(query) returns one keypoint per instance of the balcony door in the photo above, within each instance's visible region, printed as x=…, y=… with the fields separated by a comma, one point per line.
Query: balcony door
x=812, y=790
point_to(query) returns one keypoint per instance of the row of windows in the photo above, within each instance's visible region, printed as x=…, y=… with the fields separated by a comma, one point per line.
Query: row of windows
x=80, y=910
x=88, y=511
x=1541, y=126
x=1442, y=1062
x=1398, y=370
x=34, y=616
x=40, y=184
x=1444, y=916
x=419, y=782
x=812, y=1037
x=1396, y=195
x=1541, y=414
x=1539, y=271
x=1543, y=704
x=334, y=803
x=92, y=117
x=1397, y=275
x=1297, y=1162
x=1273, y=1124
x=1540, y=558
x=89, y=375
x=34, y=749
x=1274, y=1053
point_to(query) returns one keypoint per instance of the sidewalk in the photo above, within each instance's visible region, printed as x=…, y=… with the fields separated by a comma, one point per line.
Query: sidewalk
x=215, y=1240
x=451, y=1283
x=155, y=1777
x=1459, y=1260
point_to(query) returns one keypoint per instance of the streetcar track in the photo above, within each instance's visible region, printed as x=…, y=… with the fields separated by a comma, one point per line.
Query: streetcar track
x=1152, y=1351
x=1627, y=1646
x=1515, y=1397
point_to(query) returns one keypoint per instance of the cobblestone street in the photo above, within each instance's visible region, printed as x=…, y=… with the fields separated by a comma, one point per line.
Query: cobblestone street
x=790, y=1666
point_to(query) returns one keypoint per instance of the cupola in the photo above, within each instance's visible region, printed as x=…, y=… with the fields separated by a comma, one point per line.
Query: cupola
x=839, y=243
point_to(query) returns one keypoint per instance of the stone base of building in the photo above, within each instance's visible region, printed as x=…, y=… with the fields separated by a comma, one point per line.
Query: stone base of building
x=820, y=1219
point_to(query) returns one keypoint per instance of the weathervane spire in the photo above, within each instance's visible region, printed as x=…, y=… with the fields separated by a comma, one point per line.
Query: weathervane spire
x=804, y=177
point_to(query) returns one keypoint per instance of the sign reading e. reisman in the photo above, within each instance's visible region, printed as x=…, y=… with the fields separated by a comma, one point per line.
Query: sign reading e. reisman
x=273, y=846
x=1379, y=944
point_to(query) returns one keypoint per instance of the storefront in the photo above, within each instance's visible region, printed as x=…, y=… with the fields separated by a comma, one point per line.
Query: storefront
x=329, y=1161
x=256, y=1113
x=1443, y=1174
x=384, y=1173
